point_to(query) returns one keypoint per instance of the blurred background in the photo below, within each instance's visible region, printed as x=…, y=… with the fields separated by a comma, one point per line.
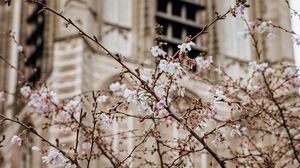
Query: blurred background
x=70, y=64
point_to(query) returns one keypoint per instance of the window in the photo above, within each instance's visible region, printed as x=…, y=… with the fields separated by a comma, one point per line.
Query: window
x=35, y=66
x=179, y=19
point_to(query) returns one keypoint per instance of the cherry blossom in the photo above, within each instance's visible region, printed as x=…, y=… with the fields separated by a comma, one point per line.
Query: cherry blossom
x=235, y=132
x=258, y=67
x=16, y=140
x=102, y=99
x=269, y=72
x=239, y=10
x=262, y=27
x=288, y=72
x=252, y=26
x=161, y=104
x=35, y=148
x=62, y=116
x=129, y=95
x=296, y=40
x=222, y=108
x=72, y=105
x=203, y=63
x=160, y=90
x=43, y=100
x=184, y=47
x=172, y=68
x=25, y=91
x=157, y=51
x=86, y=146
x=56, y=159
x=219, y=95
x=117, y=87
x=146, y=75
x=105, y=119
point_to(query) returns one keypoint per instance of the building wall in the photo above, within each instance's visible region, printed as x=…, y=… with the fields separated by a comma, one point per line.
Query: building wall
x=126, y=27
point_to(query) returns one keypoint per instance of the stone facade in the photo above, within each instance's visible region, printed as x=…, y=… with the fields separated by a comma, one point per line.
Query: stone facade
x=126, y=27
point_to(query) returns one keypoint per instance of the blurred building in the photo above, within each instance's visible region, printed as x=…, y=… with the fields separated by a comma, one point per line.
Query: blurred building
x=72, y=64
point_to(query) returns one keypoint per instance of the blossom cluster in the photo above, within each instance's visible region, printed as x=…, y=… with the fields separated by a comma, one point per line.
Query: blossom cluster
x=258, y=28
x=224, y=113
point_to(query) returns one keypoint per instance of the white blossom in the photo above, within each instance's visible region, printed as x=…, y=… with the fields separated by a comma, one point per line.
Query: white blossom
x=232, y=91
x=56, y=159
x=184, y=47
x=25, y=91
x=86, y=146
x=105, y=119
x=146, y=75
x=163, y=65
x=117, y=87
x=262, y=27
x=258, y=67
x=43, y=101
x=172, y=68
x=203, y=63
x=35, y=148
x=219, y=95
x=102, y=99
x=159, y=90
x=288, y=72
x=16, y=140
x=144, y=108
x=296, y=40
x=72, y=105
x=62, y=116
x=130, y=95
x=157, y=51
x=235, y=132
x=2, y=96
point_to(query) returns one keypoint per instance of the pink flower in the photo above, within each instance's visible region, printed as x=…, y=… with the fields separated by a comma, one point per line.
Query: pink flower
x=240, y=10
x=16, y=140
x=161, y=104
x=252, y=26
